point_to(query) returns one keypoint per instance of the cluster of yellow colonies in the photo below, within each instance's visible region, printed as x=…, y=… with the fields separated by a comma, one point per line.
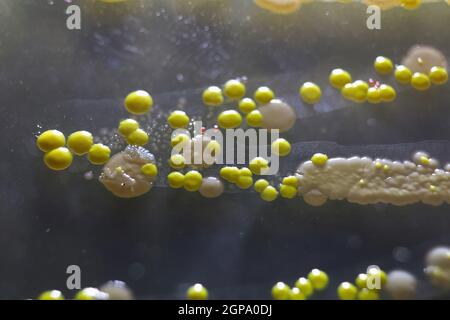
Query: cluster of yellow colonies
x=304, y=287
x=59, y=157
x=361, y=289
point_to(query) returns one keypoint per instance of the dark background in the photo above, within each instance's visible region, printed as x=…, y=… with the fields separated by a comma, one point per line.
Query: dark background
x=238, y=246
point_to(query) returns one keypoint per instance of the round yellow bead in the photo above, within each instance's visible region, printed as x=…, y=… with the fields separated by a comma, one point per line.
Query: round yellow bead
x=192, y=181
x=290, y=181
x=197, y=292
x=247, y=105
x=383, y=65
x=403, y=74
x=281, y=147
x=288, y=192
x=348, y=91
x=438, y=75
x=138, y=102
x=231, y=174
x=366, y=294
x=234, y=89
x=347, y=291
x=260, y=185
x=254, y=118
x=319, y=159
x=80, y=142
x=128, y=126
x=281, y=291
x=411, y=4
x=177, y=161
x=361, y=281
x=99, y=154
x=310, y=92
x=180, y=139
x=420, y=81
x=339, y=78
x=318, y=278
x=269, y=194
x=258, y=164
x=374, y=95
x=263, y=95
x=360, y=91
x=305, y=286
x=212, y=96
x=50, y=139
x=296, y=294
x=138, y=138
x=51, y=295
x=244, y=182
x=246, y=172
x=91, y=294
x=229, y=119
x=178, y=119
x=58, y=159
x=149, y=169
x=376, y=272
x=388, y=93
x=175, y=180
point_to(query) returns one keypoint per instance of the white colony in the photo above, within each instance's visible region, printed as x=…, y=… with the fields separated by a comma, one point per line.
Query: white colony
x=211, y=187
x=401, y=285
x=422, y=58
x=117, y=290
x=365, y=181
x=278, y=115
x=438, y=267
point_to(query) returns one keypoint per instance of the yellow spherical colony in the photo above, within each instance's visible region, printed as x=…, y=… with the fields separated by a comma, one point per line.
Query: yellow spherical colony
x=411, y=4
x=339, y=78
x=361, y=281
x=175, y=180
x=254, y=118
x=99, y=154
x=138, y=102
x=420, y=81
x=177, y=161
x=197, y=292
x=178, y=119
x=361, y=88
x=80, y=142
x=288, y=192
x=229, y=119
x=319, y=159
x=50, y=139
x=403, y=74
x=438, y=75
x=383, y=65
x=234, y=89
x=347, y=291
x=258, y=164
x=137, y=138
x=260, y=185
x=305, y=286
x=263, y=95
x=192, y=181
x=281, y=291
x=269, y=194
x=296, y=294
x=318, y=278
x=128, y=126
x=212, y=96
x=150, y=170
x=245, y=179
x=366, y=294
x=247, y=105
x=51, y=295
x=230, y=174
x=310, y=92
x=178, y=139
x=281, y=147
x=58, y=159
x=377, y=272
x=387, y=93
x=374, y=95
x=291, y=181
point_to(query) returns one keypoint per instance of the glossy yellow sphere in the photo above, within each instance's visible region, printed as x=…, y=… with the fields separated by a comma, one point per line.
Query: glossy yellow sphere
x=80, y=142
x=347, y=291
x=247, y=105
x=296, y=294
x=263, y=95
x=177, y=161
x=319, y=159
x=192, y=181
x=178, y=119
x=58, y=159
x=138, y=102
x=281, y=147
x=260, y=185
x=213, y=96
x=51, y=295
x=197, y=292
x=258, y=164
x=180, y=140
x=128, y=126
x=387, y=93
x=290, y=181
x=269, y=194
x=366, y=294
x=99, y=154
x=281, y=291
x=374, y=95
x=376, y=272
x=50, y=139
x=254, y=118
x=310, y=93
x=403, y=74
x=339, y=78
x=318, y=278
x=234, y=89
x=287, y=192
x=305, y=286
x=229, y=119
x=420, y=81
x=244, y=182
x=361, y=281
x=90, y=294
x=383, y=65
x=137, y=138
x=175, y=180
x=150, y=170
x=230, y=174
x=438, y=75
